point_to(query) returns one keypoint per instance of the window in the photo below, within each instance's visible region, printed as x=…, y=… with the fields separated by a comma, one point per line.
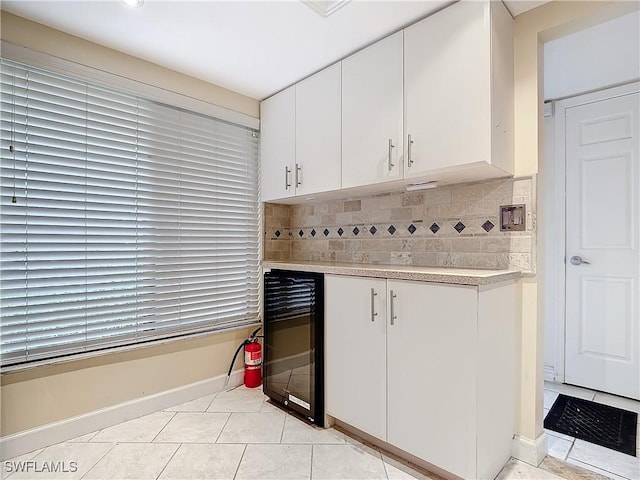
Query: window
x=122, y=219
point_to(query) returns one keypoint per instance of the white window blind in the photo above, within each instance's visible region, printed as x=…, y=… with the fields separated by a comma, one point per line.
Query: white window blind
x=123, y=220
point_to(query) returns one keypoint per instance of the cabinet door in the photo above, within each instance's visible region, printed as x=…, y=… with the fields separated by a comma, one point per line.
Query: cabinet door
x=355, y=358
x=372, y=114
x=447, y=88
x=431, y=358
x=277, y=145
x=318, y=130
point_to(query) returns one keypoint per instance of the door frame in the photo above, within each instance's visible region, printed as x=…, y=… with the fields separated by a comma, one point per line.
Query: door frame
x=556, y=250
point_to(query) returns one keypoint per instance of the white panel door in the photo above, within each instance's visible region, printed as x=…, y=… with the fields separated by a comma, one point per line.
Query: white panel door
x=318, y=131
x=278, y=145
x=372, y=137
x=355, y=352
x=448, y=88
x=431, y=373
x=602, y=229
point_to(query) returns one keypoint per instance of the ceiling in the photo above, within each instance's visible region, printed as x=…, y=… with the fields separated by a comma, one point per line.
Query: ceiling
x=252, y=47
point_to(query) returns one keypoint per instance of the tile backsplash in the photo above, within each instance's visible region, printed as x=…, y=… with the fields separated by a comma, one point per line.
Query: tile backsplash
x=450, y=226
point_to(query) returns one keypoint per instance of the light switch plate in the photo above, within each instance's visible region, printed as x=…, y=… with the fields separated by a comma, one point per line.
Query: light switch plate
x=513, y=218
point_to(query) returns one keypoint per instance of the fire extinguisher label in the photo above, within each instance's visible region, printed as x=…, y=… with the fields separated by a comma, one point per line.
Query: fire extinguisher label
x=252, y=358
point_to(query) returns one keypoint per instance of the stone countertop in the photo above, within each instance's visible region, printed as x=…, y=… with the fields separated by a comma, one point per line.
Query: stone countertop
x=460, y=276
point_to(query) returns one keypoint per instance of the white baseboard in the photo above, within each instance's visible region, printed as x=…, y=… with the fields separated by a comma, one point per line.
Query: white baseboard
x=530, y=451
x=549, y=373
x=50, y=434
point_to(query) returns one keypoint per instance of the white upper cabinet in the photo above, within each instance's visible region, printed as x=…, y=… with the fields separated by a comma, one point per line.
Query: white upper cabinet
x=300, y=138
x=372, y=136
x=318, y=131
x=459, y=92
x=431, y=102
x=278, y=145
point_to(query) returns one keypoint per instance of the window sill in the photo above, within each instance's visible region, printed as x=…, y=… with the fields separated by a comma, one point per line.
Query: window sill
x=120, y=349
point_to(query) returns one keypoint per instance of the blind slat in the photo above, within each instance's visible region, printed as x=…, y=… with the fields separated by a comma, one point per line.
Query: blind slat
x=133, y=220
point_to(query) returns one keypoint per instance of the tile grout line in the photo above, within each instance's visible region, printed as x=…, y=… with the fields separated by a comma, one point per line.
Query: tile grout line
x=89, y=439
x=223, y=427
x=587, y=464
x=169, y=461
x=311, y=463
x=569, y=451
x=244, y=450
x=113, y=445
x=384, y=465
x=284, y=425
x=160, y=431
x=30, y=458
x=597, y=467
x=215, y=395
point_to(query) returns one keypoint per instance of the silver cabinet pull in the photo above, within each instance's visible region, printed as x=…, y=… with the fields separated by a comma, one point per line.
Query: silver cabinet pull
x=577, y=260
x=391, y=147
x=287, y=183
x=373, y=308
x=393, y=308
x=298, y=175
x=409, y=160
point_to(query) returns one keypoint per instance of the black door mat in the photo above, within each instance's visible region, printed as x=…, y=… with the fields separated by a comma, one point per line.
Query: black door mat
x=594, y=422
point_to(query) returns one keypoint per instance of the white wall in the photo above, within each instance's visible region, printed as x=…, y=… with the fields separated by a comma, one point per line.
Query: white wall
x=603, y=55
x=595, y=58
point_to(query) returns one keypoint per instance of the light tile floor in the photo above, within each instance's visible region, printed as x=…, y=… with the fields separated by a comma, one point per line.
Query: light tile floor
x=595, y=458
x=237, y=435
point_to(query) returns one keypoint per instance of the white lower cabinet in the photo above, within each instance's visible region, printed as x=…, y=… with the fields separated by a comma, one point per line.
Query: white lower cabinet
x=355, y=352
x=428, y=368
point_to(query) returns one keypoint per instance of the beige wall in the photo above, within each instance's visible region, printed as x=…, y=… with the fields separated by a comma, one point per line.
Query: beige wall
x=47, y=394
x=35, y=36
x=532, y=29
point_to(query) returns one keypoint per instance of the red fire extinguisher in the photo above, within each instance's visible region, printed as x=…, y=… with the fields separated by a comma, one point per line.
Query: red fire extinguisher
x=252, y=361
x=252, y=364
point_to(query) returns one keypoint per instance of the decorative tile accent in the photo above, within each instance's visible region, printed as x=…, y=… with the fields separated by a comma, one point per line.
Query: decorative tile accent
x=460, y=228
x=277, y=233
x=487, y=226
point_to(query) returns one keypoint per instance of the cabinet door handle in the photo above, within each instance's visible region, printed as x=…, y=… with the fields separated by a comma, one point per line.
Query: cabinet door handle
x=409, y=160
x=373, y=308
x=391, y=147
x=298, y=175
x=287, y=183
x=393, y=308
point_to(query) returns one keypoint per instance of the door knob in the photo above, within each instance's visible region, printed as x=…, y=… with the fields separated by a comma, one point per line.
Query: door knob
x=576, y=260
